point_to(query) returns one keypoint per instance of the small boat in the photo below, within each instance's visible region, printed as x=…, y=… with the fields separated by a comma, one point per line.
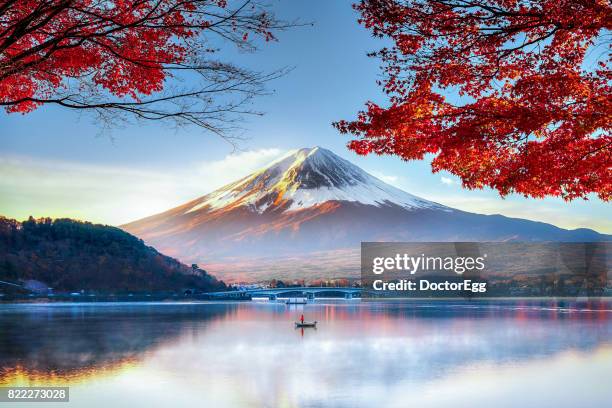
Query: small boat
x=306, y=324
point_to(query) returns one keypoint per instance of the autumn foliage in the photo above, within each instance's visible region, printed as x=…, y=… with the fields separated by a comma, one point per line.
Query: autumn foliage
x=117, y=56
x=509, y=94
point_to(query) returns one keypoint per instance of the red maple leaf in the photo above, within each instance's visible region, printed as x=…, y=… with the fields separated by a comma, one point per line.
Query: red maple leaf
x=533, y=105
x=112, y=56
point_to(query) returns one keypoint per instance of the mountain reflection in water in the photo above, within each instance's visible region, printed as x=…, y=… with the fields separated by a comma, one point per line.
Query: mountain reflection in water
x=362, y=354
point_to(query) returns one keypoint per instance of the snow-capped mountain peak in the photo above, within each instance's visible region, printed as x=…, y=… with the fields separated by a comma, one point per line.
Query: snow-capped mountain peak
x=305, y=178
x=306, y=214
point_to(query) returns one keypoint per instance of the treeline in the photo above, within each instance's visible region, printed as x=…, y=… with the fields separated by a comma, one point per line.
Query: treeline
x=69, y=255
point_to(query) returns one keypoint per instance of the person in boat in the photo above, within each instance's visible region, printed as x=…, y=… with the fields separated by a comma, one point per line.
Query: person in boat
x=302, y=319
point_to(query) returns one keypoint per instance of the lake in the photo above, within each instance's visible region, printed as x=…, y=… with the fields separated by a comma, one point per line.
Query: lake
x=513, y=353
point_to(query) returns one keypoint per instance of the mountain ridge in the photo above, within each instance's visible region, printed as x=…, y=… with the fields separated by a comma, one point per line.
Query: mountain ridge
x=311, y=200
x=303, y=178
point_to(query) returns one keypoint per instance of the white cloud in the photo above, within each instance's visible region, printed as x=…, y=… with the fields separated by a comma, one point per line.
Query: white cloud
x=447, y=180
x=111, y=194
x=237, y=165
x=393, y=180
x=578, y=214
x=116, y=195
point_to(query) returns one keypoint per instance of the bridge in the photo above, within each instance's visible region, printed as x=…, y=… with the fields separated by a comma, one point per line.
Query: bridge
x=275, y=293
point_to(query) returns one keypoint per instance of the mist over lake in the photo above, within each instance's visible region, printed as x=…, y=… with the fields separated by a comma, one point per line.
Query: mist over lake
x=362, y=354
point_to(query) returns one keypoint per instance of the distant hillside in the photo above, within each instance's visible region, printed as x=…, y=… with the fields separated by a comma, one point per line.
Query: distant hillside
x=69, y=255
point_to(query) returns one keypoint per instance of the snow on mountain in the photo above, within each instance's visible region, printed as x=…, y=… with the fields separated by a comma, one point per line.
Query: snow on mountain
x=306, y=214
x=304, y=178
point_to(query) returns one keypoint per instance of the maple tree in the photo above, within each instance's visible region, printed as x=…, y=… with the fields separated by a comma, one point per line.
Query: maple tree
x=145, y=59
x=509, y=94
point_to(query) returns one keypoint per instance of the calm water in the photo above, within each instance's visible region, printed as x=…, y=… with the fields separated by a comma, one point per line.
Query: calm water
x=419, y=354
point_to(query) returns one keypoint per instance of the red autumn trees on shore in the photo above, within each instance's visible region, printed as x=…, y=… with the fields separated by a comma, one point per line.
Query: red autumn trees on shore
x=509, y=94
x=124, y=59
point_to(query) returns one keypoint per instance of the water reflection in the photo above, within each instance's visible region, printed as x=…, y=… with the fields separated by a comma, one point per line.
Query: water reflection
x=362, y=354
x=67, y=342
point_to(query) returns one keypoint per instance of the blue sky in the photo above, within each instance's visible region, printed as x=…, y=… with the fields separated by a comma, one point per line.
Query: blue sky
x=55, y=162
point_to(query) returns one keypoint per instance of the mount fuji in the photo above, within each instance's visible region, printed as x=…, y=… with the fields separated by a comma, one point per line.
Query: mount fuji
x=305, y=215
